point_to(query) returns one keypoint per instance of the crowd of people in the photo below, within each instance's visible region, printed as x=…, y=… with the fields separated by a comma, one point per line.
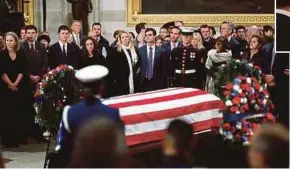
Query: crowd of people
x=177, y=56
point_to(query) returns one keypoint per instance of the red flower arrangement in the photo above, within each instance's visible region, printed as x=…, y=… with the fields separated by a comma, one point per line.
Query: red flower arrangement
x=245, y=95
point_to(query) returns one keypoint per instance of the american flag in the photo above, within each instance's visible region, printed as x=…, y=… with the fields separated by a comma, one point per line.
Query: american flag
x=147, y=115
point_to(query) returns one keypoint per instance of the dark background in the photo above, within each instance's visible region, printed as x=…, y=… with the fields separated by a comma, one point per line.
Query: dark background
x=207, y=6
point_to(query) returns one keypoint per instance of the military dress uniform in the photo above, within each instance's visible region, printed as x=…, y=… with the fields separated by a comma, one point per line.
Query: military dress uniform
x=76, y=115
x=186, y=67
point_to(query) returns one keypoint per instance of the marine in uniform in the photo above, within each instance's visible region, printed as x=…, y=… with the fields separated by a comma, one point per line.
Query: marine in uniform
x=77, y=114
x=186, y=63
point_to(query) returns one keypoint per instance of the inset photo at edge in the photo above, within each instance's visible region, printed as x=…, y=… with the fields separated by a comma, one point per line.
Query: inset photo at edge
x=282, y=25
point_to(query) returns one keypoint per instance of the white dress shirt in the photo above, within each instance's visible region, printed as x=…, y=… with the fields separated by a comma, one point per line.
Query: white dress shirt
x=61, y=46
x=172, y=45
x=229, y=38
x=29, y=44
x=77, y=39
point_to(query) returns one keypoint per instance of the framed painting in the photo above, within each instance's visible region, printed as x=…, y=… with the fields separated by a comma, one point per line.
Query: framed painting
x=198, y=12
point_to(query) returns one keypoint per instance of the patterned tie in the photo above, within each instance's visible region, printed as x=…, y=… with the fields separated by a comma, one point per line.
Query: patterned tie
x=150, y=64
x=78, y=40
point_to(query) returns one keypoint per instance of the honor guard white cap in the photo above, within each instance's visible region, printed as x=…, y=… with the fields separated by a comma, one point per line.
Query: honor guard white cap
x=187, y=31
x=91, y=73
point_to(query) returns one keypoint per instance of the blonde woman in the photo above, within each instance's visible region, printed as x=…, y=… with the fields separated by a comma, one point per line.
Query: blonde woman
x=124, y=66
x=14, y=117
x=197, y=43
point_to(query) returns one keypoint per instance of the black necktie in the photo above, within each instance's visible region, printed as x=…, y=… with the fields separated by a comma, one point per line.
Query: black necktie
x=63, y=50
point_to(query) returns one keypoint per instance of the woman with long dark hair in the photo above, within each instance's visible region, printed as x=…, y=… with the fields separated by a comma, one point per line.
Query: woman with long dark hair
x=216, y=58
x=253, y=54
x=90, y=53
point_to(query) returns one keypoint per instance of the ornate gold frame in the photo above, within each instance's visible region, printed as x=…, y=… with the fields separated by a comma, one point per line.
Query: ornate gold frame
x=134, y=15
x=28, y=7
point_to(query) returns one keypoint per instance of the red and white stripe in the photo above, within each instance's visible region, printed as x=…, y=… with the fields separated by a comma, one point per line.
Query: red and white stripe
x=147, y=115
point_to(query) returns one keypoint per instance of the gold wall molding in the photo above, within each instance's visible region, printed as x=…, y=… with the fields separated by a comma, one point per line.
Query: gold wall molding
x=134, y=15
x=28, y=11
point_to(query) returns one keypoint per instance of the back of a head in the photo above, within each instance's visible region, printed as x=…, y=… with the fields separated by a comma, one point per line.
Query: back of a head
x=182, y=132
x=99, y=143
x=272, y=142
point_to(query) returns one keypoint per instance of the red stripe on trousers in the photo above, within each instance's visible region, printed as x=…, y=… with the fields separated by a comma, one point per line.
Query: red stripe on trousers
x=158, y=135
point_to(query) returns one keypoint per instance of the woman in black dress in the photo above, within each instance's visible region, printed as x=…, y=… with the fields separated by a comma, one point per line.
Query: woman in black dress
x=201, y=52
x=124, y=66
x=253, y=54
x=15, y=121
x=91, y=54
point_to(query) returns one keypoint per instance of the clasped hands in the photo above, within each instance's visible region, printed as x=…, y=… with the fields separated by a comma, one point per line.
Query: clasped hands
x=13, y=87
x=270, y=78
x=34, y=79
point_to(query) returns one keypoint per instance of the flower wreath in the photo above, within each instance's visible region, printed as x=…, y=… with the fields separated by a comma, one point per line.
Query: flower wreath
x=56, y=89
x=242, y=88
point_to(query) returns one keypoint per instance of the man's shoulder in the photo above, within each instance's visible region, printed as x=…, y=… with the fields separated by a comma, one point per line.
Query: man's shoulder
x=56, y=44
x=104, y=39
x=144, y=47
x=234, y=41
x=161, y=49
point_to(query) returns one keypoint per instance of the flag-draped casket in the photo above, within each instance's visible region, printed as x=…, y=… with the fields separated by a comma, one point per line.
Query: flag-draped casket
x=147, y=115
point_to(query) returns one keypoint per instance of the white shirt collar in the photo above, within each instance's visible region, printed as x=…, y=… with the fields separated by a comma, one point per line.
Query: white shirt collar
x=29, y=43
x=229, y=38
x=61, y=44
x=283, y=12
x=76, y=34
x=153, y=47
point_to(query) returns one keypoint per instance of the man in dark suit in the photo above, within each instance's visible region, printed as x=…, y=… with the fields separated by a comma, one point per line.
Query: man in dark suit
x=282, y=25
x=174, y=37
x=78, y=37
x=153, y=71
x=35, y=53
x=80, y=11
x=208, y=42
x=168, y=47
x=227, y=29
x=275, y=66
x=97, y=29
x=241, y=32
x=63, y=52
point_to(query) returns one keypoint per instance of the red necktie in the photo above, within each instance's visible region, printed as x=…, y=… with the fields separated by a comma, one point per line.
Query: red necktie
x=32, y=49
